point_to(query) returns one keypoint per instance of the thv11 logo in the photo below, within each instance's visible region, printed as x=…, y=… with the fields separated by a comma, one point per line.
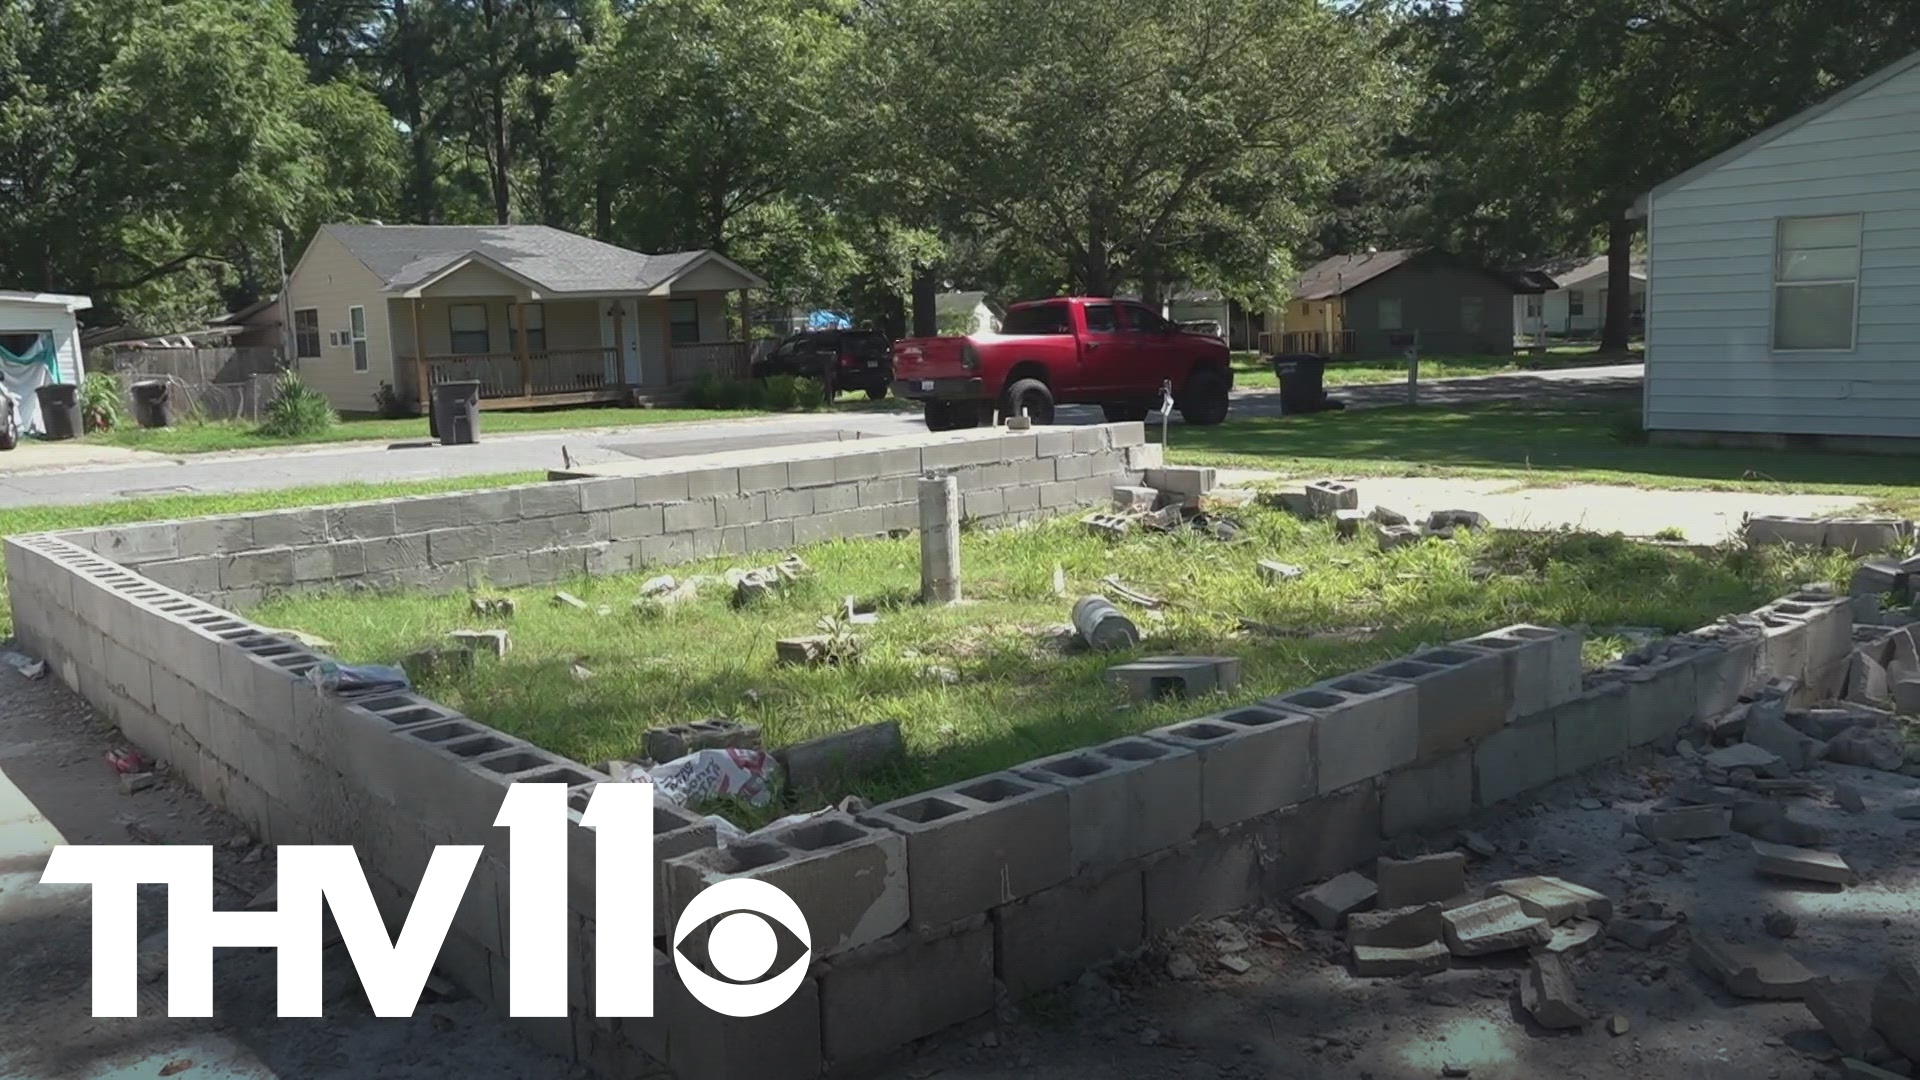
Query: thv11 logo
x=742, y=945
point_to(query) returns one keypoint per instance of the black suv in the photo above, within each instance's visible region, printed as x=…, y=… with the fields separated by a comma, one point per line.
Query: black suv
x=840, y=359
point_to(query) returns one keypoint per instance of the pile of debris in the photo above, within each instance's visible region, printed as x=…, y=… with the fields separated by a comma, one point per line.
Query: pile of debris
x=1340, y=502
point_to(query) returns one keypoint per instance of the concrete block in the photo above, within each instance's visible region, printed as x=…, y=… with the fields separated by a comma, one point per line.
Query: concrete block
x=1324, y=497
x=1363, y=726
x=1462, y=694
x=1427, y=879
x=1125, y=799
x=847, y=879
x=1896, y=1006
x=879, y=998
x=696, y=1043
x=1542, y=665
x=979, y=844
x=1723, y=669
x=1591, y=729
x=1515, y=760
x=1182, y=483
x=1752, y=970
x=451, y=547
x=1867, y=536
x=1776, y=529
x=1420, y=797
x=1252, y=761
x=1783, y=646
x=1156, y=678
x=1318, y=839
x=1829, y=620
x=1548, y=994
x=1049, y=938
x=550, y=499
x=1498, y=924
x=1375, y=962
x=1398, y=928
x=1688, y=823
x=1126, y=499
x=1556, y=900
x=1802, y=864
x=1337, y=899
x=1208, y=876
x=257, y=568
x=1661, y=693
x=1845, y=1009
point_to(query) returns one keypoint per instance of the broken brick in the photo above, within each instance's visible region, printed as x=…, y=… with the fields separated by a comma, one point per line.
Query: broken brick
x=1397, y=928
x=1332, y=901
x=1547, y=992
x=1495, y=925
x=1896, y=1007
x=1375, y=962
x=1572, y=938
x=1554, y=899
x=1752, y=971
x=1642, y=934
x=1804, y=864
x=1845, y=1009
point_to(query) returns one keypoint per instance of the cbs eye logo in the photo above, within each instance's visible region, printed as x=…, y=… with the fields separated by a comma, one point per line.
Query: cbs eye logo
x=743, y=920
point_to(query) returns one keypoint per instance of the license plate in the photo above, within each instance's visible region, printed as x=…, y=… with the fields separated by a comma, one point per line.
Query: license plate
x=926, y=384
x=873, y=363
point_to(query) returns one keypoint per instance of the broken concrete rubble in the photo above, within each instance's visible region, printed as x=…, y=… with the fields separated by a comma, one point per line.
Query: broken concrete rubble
x=1870, y=748
x=1573, y=938
x=1803, y=864
x=1548, y=994
x=1429, y=878
x=1752, y=971
x=1393, y=536
x=1442, y=520
x=1554, y=899
x=1491, y=926
x=1686, y=823
x=1397, y=928
x=493, y=642
x=1775, y=735
x=1896, y=1007
x=1326, y=496
x=1844, y=1008
x=663, y=744
x=1748, y=756
x=1346, y=523
x=1337, y=899
x=1642, y=934
x=1375, y=962
x=1273, y=573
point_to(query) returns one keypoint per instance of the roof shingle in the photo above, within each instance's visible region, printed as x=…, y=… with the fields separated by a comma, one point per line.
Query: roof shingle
x=561, y=262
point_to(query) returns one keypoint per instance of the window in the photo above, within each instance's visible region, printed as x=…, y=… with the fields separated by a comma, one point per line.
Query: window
x=1534, y=306
x=357, y=332
x=1471, y=310
x=306, y=333
x=683, y=322
x=1039, y=319
x=536, y=327
x=1100, y=319
x=1576, y=303
x=467, y=329
x=1146, y=321
x=1816, y=276
x=1390, y=314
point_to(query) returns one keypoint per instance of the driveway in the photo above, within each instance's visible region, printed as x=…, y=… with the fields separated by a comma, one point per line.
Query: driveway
x=45, y=482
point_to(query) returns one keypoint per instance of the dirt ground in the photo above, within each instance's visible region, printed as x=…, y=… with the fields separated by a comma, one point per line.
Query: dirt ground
x=1295, y=1013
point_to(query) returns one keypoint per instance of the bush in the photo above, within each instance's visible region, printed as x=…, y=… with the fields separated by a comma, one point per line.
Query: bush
x=389, y=406
x=298, y=411
x=101, y=400
x=777, y=393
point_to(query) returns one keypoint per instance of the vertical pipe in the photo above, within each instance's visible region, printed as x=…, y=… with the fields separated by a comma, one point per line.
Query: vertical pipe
x=939, y=539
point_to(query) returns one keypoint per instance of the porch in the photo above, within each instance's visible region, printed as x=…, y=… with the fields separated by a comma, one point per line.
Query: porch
x=519, y=380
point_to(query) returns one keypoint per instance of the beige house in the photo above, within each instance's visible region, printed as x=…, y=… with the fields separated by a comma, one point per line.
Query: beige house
x=536, y=315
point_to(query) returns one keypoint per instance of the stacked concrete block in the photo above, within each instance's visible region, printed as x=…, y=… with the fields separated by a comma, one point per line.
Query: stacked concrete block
x=1515, y=760
x=1428, y=796
x=1542, y=665
x=1462, y=694
x=883, y=996
x=1827, y=642
x=1125, y=799
x=1253, y=761
x=1591, y=729
x=1724, y=668
x=1662, y=688
x=849, y=879
x=1049, y=938
x=976, y=845
x=1363, y=726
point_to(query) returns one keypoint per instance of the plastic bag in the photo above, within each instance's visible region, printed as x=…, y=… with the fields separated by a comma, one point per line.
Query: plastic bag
x=346, y=680
x=733, y=772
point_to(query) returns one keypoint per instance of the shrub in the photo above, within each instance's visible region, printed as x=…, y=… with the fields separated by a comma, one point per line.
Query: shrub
x=388, y=404
x=100, y=402
x=297, y=410
x=776, y=393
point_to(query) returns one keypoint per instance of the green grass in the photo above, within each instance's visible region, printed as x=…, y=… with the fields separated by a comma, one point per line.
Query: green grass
x=1019, y=692
x=1542, y=445
x=207, y=437
x=33, y=519
x=1251, y=371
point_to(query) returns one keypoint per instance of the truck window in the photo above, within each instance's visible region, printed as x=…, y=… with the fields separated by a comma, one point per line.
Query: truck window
x=1100, y=318
x=1040, y=319
x=1142, y=320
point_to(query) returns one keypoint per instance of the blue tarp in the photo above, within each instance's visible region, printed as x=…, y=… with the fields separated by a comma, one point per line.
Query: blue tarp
x=828, y=320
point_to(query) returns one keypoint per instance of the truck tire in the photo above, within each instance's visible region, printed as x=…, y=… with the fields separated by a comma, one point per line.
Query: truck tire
x=1120, y=414
x=1032, y=395
x=1204, y=402
x=952, y=415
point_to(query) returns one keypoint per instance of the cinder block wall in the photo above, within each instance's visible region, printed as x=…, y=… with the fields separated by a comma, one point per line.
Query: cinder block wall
x=921, y=906
x=653, y=513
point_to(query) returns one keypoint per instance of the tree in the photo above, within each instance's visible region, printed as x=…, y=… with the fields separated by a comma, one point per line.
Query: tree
x=143, y=142
x=1144, y=143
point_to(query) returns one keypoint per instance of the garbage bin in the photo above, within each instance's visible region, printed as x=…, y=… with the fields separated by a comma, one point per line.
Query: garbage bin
x=152, y=403
x=1303, y=378
x=60, y=410
x=455, y=419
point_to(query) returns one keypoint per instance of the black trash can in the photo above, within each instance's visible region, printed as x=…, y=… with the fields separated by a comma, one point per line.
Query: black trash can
x=153, y=403
x=60, y=410
x=455, y=409
x=1303, y=378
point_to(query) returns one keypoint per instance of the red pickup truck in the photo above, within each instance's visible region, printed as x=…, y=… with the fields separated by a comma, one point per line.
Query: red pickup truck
x=1081, y=350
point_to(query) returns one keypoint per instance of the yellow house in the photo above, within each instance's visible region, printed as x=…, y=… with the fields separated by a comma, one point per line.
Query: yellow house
x=536, y=315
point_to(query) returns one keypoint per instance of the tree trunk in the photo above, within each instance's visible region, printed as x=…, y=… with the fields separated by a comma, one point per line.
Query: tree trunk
x=412, y=47
x=1151, y=289
x=1097, y=276
x=893, y=315
x=1618, y=329
x=603, y=209
x=926, y=319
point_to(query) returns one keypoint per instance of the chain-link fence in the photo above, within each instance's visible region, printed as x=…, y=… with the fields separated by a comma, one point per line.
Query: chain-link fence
x=218, y=383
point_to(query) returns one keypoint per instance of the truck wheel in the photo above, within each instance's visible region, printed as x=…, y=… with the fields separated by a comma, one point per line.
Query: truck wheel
x=1204, y=403
x=1120, y=414
x=1031, y=395
x=952, y=415
x=876, y=393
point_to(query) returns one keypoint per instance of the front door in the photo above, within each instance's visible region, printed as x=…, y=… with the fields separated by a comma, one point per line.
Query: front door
x=629, y=339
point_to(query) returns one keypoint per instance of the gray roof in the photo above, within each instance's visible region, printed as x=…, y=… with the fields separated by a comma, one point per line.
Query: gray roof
x=406, y=255
x=1577, y=268
x=1891, y=71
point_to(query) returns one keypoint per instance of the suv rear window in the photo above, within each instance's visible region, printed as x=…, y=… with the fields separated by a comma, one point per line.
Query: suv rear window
x=1039, y=319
